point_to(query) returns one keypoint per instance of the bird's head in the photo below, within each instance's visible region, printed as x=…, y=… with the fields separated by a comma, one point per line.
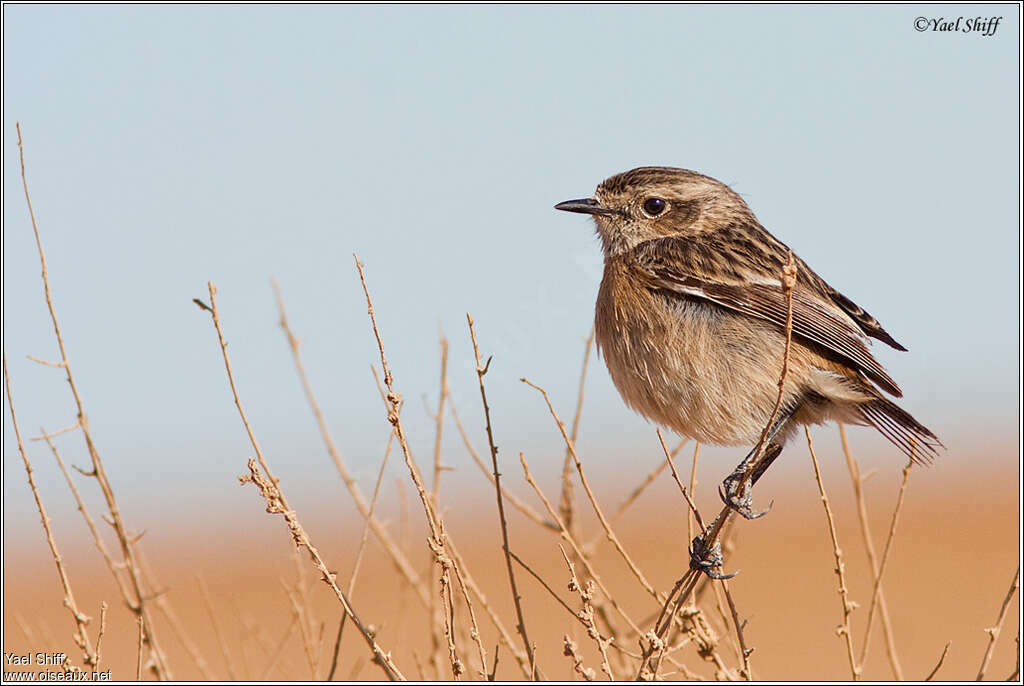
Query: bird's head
x=652, y=202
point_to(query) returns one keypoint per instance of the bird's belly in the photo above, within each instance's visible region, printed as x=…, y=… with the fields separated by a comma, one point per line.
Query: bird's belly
x=695, y=372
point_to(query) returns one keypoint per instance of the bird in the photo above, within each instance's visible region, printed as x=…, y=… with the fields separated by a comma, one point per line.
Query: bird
x=691, y=320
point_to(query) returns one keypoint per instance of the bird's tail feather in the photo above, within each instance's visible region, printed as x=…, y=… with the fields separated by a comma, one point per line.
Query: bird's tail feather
x=905, y=432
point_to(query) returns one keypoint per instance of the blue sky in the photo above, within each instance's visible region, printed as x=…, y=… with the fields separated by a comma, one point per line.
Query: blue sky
x=167, y=146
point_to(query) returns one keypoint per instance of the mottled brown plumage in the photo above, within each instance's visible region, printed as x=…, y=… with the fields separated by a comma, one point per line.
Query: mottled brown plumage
x=691, y=315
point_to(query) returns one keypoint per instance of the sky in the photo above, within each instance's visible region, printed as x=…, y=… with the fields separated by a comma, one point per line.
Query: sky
x=169, y=146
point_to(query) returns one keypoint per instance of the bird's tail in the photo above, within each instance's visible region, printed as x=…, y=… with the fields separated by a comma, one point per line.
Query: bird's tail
x=905, y=432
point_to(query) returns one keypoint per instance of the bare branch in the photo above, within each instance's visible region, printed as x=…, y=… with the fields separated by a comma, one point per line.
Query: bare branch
x=993, y=631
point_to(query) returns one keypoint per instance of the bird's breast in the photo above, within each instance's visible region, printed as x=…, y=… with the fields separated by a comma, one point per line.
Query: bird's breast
x=682, y=363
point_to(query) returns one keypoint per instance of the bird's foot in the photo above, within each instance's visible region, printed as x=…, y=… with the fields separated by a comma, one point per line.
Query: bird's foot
x=708, y=559
x=735, y=492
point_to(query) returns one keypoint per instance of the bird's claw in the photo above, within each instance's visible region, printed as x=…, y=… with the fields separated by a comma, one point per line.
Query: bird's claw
x=740, y=500
x=708, y=559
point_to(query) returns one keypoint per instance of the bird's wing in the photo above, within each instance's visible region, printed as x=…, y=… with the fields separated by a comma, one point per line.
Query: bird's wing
x=865, y=321
x=814, y=318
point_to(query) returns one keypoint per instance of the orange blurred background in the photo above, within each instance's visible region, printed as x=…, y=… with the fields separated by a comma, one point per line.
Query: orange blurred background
x=951, y=564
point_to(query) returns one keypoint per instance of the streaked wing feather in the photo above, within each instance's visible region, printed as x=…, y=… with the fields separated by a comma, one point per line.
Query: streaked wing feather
x=915, y=440
x=811, y=320
x=864, y=320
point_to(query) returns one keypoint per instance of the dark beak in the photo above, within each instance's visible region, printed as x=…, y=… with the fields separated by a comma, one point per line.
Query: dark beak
x=583, y=206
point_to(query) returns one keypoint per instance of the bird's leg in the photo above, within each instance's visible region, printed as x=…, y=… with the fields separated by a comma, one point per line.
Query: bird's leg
x=708, y=558
x=705, y=550
x=736, y=488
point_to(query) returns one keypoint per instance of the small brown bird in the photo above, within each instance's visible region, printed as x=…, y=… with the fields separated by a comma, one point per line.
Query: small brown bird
x=691, y=318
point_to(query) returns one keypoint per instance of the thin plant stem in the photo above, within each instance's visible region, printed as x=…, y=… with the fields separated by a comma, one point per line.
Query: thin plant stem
x=744, y=650
x=136, y=601
x=789, y=277
x=993, y=631
x=567, y=535
x=359, y=554
x=862, y=516
x=516, y=501
x=876, y=593
x=593, y=500
x=81, y=635
x=938, y=665
x=848, y=606
x=267, y=484
x=393, y=550
x=567, y=499
x=481, y=370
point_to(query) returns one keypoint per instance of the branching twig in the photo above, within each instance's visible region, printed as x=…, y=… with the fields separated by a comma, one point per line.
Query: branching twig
x=439, y=421
x=565, y=605
x=81, y=635
x=572, y=651
x=865, y=530
x=276, y=505
x=744, y=650
x=180, y=632
x=394, y=550
x=848, y=606
x=359, y=554
x=634, y=495
x=675, y=476
x=593, y=500
x=789, y=277
x=267, y=484
x=433, y=610
x=137, y=600
x=693, y=489
x=993, y=631
x=481, y=369
x=438, y=537
x=567, y=500
x=876, y=594
x=516, y=501
x=586, y=614
x=567, y=535
x=503, y=632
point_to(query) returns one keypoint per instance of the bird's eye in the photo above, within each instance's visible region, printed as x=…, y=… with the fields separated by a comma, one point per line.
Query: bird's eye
x=654, y=206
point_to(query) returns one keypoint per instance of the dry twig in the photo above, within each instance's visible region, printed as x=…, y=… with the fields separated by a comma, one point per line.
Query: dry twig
x=789, y=277
x=394, y=550
x=993, y=631
x=136, y=600
x=516, y=501
x=359, y=554
x=437, y=538
x=876, y=594
x=586, y=614
x=609, y=532
x=481, y=370
x=567, y=500
x=221, y=642
x=575, y=545
x=745, y=652
x=433, y=610
x=81, y=636
x=276, y=505
x=938, y=665
x=862, y=515
x=267, y=484
x=840, y=569
x=142, y=643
